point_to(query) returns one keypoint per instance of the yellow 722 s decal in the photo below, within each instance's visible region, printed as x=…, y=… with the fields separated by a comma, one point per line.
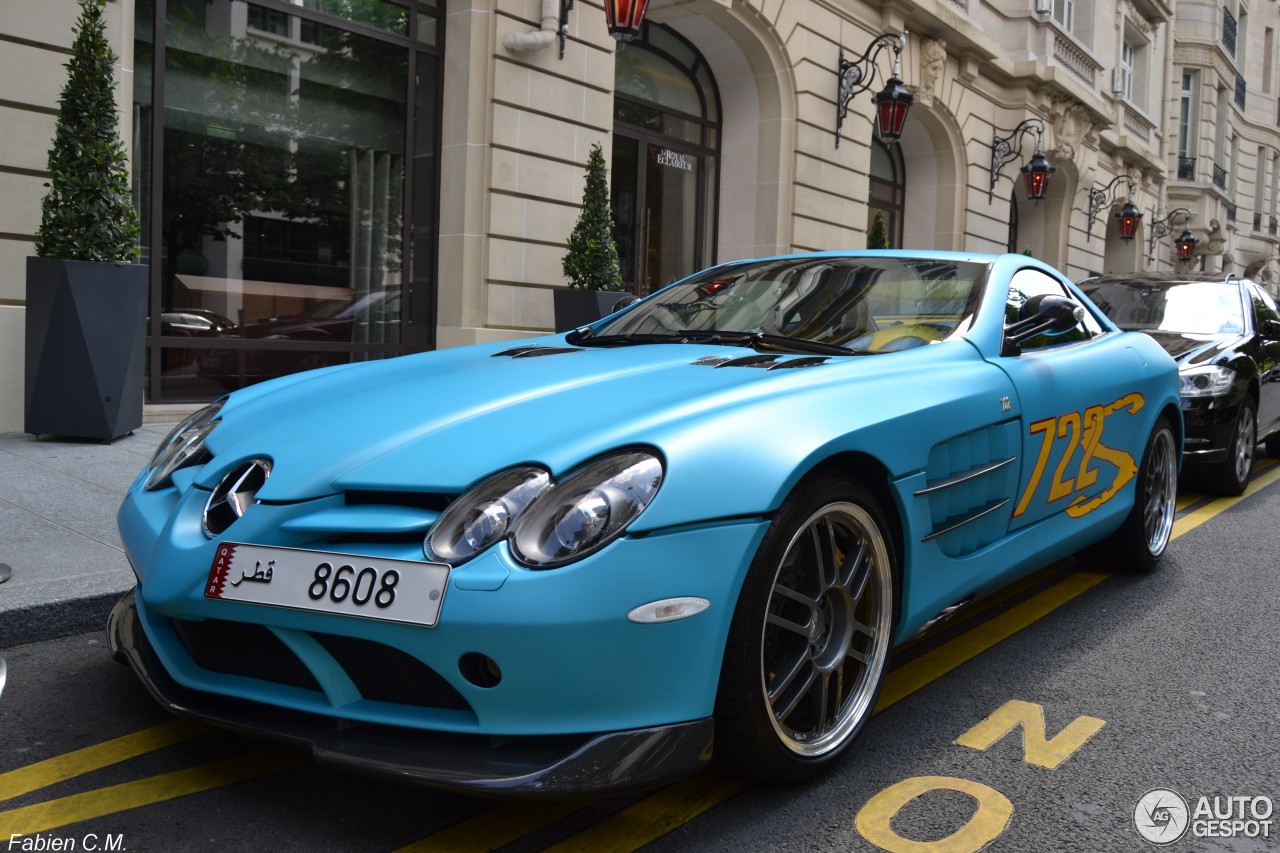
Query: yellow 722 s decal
x=1086, y=432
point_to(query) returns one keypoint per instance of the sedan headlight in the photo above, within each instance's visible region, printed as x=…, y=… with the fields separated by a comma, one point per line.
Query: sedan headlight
x=182, y=447
x=1210, y=380
x=587, y=511
x=484, y=515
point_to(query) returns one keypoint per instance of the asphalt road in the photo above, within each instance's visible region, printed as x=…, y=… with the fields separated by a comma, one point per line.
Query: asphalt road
x=1109, y=687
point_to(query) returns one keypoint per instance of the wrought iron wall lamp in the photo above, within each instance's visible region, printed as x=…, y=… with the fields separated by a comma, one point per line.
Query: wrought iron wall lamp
x=1102, y=198
x=1161, y=227
x=1036, y=173
x=858, y=75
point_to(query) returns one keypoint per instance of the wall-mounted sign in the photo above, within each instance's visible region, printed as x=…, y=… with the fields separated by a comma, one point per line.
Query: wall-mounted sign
x=667, y=157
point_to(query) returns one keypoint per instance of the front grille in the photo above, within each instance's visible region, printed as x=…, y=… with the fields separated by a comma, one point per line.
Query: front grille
x=380, y=673
x=241, y=648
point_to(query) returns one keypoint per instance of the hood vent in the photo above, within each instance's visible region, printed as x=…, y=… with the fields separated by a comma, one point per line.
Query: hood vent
x=530, y=352
x=768, y=362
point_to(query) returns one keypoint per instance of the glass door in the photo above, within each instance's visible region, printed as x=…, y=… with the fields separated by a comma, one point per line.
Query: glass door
x=657, y=210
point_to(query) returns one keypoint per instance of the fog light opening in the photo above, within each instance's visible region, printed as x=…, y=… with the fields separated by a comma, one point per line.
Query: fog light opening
x=480, y=670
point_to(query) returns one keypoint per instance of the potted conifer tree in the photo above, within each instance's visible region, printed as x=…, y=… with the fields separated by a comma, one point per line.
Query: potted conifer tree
x=591, y=264
x=86, y=301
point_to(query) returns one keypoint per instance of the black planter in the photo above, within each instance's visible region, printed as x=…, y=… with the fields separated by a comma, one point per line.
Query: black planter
x=576, y=308
x=86, y=327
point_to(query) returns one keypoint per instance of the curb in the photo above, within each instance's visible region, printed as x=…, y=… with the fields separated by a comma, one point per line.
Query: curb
x=56, y=619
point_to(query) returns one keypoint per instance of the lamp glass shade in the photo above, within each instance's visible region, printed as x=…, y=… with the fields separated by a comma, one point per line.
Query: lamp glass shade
x=625, y=17
x=1185, y=245
x=1127, y=221
x=892, y=104
x=1036, y=175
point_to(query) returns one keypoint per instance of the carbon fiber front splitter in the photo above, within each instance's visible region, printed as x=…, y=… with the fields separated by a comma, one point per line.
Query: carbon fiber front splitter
x=525, y=767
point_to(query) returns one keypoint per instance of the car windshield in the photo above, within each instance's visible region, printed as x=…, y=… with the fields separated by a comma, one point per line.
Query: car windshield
x=863, y=304
x=1190, y=308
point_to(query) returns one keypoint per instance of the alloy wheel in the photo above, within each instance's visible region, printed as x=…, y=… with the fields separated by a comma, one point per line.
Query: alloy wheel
x=827, y=629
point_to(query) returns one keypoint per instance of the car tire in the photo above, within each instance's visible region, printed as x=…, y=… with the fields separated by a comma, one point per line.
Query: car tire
x=1141, y=541
x=1231, y=476
x=809, y=643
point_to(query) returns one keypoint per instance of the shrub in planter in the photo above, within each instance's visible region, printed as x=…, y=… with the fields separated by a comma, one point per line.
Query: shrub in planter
x=591, y=263
x=86, y=304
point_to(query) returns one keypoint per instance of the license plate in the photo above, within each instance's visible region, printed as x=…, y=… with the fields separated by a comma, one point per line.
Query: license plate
x=368, y=587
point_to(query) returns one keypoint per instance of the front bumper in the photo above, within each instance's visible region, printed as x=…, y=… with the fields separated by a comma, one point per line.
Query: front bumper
x=1210, y=424
x=529, y=766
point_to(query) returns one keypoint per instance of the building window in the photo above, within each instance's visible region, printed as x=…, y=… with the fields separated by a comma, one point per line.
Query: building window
x=299, y=156
x=1187, y=115
x=1268, y=60
x=1064, y=12
x=1127, y=52
x=887, y=190
x=665, y=166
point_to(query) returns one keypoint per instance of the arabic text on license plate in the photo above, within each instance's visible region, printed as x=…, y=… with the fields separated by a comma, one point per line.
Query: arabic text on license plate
x=371, y=587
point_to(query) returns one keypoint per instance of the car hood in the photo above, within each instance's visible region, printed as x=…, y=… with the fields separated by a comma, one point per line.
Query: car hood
x=437, y=422
x=1190, y=350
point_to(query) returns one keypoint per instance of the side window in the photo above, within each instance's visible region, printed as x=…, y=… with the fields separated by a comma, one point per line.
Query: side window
x=1264, y=307
x=1028, y=283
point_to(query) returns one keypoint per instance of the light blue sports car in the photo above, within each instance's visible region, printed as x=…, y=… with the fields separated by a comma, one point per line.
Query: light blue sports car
x=694, y=530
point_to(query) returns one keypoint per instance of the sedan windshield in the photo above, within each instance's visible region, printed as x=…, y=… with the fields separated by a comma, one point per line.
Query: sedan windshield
x=859, y=304
x=1189, y=308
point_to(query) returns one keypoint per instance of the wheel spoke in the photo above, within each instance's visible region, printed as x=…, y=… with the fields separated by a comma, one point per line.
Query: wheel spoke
x=782, y=680
x=795, y=595
x=860, y=578
x=826, y=555
x=788, y=625
x=805, y=687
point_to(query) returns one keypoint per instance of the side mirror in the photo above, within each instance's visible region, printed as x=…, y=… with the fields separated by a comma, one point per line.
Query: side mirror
x=1042, y=314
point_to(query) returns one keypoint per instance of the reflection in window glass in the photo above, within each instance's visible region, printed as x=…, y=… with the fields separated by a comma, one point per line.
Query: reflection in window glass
x=374, y=13
x=862, y=304
x=284, y=189
x=1193, y=308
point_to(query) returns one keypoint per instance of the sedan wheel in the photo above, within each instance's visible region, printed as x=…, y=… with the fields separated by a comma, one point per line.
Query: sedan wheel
x=811, y=635
x=1231, y=476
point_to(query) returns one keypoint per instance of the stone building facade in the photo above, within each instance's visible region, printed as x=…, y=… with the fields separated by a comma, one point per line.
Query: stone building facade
x=347, y=179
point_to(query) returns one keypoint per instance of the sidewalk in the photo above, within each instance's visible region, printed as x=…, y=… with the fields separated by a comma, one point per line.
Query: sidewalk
x=58, y=502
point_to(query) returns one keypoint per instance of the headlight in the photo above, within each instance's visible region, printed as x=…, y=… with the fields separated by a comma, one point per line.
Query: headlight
x=587, y=511
x=484, y=515
x=1210, y=380
x=181, y=447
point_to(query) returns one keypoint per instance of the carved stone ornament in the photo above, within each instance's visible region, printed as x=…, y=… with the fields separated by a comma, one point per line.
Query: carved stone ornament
x=1072, y=124
x=932, y=63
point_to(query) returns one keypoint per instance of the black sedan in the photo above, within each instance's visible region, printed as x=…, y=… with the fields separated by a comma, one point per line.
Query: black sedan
x=1224, y=333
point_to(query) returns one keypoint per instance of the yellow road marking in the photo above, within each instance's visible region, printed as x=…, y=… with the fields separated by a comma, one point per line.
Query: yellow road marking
x=495, y=828
x=1199, y=516
x=41, y=817
x=654, y=816
x=915, y=674
x=60, y=768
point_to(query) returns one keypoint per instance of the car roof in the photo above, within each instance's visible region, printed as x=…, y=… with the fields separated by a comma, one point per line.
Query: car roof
x=1161, y=279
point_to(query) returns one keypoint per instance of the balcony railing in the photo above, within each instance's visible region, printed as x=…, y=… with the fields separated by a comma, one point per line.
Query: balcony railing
x=1231, y=213
x=1219, y=177
x=1228, y=31
x=1186, y=168
x=1257, y=222
x=1240, y=91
